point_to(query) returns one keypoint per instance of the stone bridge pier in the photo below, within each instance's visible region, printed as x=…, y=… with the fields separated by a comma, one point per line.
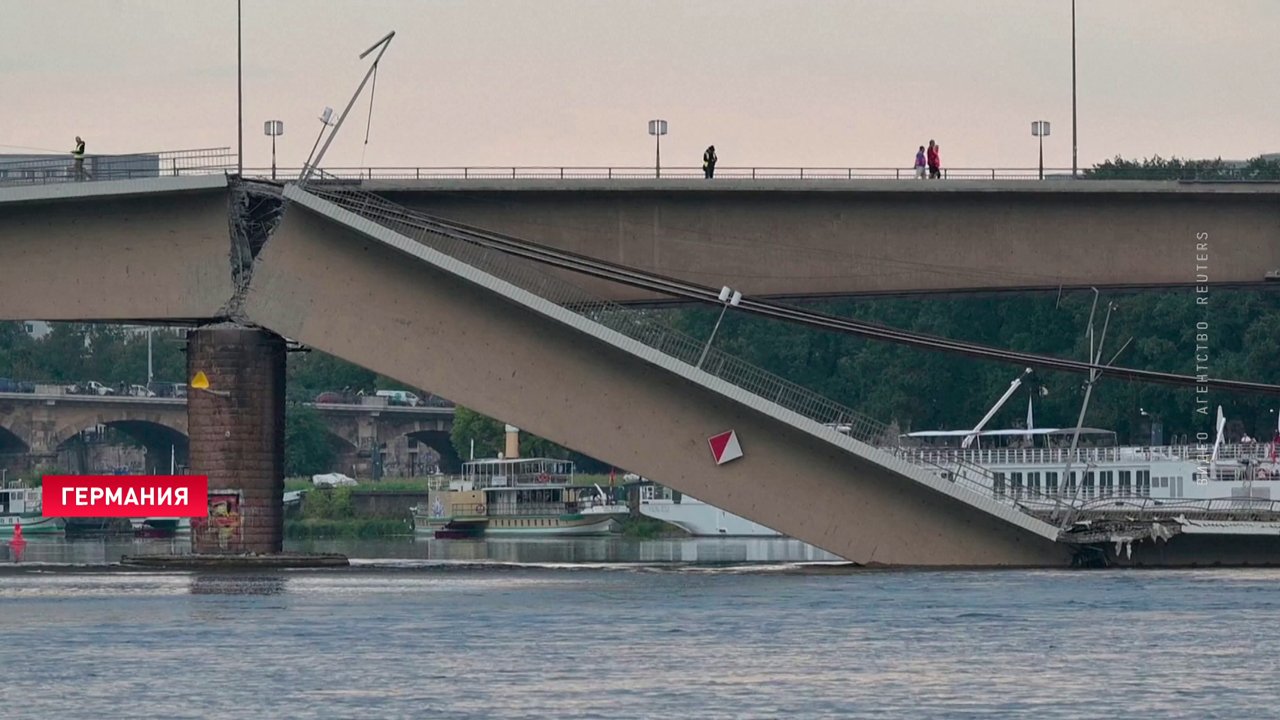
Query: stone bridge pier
x=237, y=437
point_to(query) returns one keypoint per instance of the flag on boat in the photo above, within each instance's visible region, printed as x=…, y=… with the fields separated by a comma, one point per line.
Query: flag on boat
x=1030, y=424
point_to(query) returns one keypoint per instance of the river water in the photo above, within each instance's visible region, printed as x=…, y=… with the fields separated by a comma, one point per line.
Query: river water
x=627, y=629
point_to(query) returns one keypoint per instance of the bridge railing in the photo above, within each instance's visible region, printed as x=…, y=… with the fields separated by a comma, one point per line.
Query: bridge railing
x=534, y=172
x=584, y=172
x=169, y=163
x=646, y=326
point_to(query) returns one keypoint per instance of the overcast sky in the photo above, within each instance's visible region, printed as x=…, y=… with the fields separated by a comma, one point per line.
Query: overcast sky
x=572, y=82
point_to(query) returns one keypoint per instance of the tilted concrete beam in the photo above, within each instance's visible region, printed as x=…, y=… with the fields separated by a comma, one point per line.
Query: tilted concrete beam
x=339, y=291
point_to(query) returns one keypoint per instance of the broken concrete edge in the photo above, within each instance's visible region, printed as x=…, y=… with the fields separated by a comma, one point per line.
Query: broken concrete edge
x=282, y=561
x=98, y=189
x=411, y=247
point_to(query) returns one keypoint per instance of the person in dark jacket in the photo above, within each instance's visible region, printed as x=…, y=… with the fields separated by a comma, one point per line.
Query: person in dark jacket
x=709, y=162
x=78, y=155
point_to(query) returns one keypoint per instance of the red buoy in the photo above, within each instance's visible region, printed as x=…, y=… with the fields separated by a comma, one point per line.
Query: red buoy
x=17, y=535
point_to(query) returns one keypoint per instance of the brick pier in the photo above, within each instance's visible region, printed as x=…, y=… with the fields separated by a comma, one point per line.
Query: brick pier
x=237, y=437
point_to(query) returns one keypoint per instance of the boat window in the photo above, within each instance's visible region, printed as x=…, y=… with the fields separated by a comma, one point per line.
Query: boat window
x=1051, y=482
x=1106, y=483
x=1015, y=480
x=1071, y=483
x=1126, y=483
x=998, y=482
x=1088, y=484
x=1033, y=483
x=1144, y=483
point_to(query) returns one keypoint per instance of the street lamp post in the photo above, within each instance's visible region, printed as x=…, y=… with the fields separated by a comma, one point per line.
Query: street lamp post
x=274, y=128
x=728, y=297
x=657, y=128
x=239, y=95
x=326, y=121
x=1040, y=128
x=311, y=165
x=1073, y=88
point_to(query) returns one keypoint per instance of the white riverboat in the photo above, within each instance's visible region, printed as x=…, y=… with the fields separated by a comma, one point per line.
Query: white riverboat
x=518, y=496
x=22, y=506
x=1038, y=468
x=696, y=517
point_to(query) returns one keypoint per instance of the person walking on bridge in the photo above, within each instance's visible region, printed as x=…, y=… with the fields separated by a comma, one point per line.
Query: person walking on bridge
x=920, y=163
x=935, y=162
x=78, y=156
x=709, y=162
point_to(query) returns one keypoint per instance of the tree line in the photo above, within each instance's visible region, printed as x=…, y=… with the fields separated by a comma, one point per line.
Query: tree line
x=915, y=388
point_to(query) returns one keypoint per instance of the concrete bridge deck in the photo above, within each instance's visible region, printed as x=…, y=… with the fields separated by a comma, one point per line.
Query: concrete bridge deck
x=159, y=249
x=815, y=238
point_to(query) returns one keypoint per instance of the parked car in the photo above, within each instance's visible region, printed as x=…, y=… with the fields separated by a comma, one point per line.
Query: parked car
x=167, y=389
x=399, y=397
x=13, y=386
x=93, y=387
x=140, y=391
x=330, y=397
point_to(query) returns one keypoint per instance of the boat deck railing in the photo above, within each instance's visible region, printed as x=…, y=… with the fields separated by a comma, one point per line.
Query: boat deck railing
x=534, y=508
x=1059, y=456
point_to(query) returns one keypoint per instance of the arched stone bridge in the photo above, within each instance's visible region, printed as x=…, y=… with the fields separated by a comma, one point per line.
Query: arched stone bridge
x=36, y=425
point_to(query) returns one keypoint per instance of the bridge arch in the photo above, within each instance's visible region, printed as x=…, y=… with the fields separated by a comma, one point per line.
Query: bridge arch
x=142, y=425
x=442, y=442
x=11, y=443
x=163, y=434
x=346, y=453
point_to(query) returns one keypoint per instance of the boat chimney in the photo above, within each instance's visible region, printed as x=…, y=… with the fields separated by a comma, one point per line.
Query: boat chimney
x=513, y=442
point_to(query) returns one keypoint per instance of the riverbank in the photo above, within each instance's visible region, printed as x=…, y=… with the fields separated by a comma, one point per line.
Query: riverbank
x=354, y=527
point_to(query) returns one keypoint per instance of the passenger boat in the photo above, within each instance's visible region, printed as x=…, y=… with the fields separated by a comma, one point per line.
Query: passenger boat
x=518, y=496
x=694, y=516
x=1037, y=467
x=21, y=506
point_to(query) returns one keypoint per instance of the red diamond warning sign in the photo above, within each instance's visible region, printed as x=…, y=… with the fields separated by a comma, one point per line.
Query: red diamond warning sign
x=725, y=447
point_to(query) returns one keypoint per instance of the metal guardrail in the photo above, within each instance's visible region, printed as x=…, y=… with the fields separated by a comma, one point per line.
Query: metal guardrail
x=646, y=326
x=169, y=163
x=642, y=173
x=582, y=172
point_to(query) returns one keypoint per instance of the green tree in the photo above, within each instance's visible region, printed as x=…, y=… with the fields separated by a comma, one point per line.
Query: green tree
x=1158, y=168
x=490, y=439
x=307, y=449
x=468, y=425
x=314, y=372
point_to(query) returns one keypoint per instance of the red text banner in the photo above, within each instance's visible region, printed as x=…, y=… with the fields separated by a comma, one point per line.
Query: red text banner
x=125, y=496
